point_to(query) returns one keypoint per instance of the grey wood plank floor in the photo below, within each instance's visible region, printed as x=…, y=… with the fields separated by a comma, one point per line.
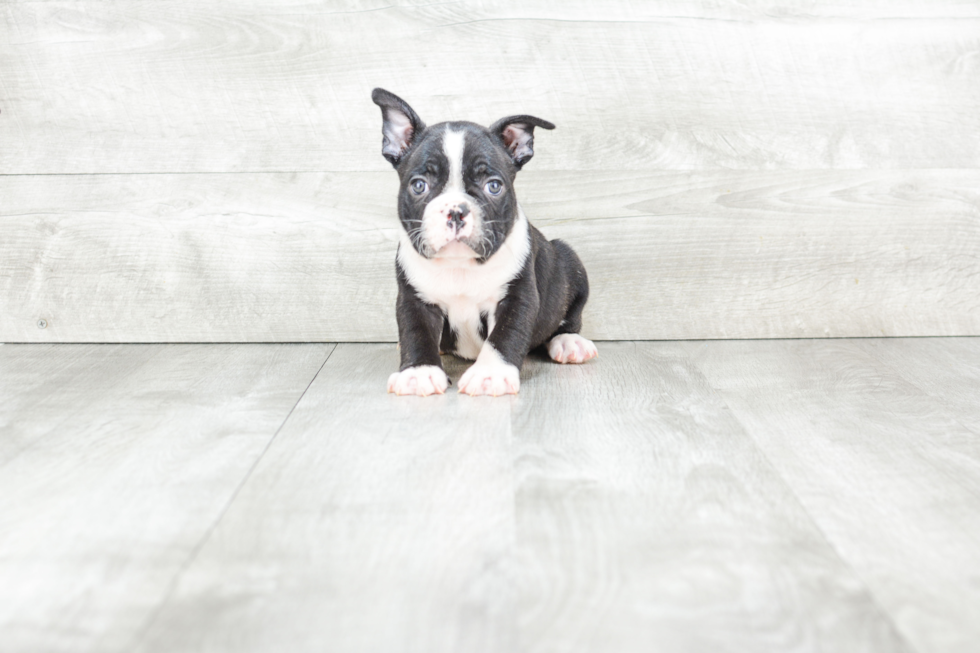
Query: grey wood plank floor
x=124, y=475
x=811, y=495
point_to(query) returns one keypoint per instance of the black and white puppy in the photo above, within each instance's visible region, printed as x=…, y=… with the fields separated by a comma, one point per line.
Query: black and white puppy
x=474, y=277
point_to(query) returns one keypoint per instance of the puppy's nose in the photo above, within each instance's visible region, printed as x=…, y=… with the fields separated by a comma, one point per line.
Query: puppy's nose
x=456, y=215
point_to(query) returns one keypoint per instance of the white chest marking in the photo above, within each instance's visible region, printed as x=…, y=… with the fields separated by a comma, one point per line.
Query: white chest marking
x=463, y=288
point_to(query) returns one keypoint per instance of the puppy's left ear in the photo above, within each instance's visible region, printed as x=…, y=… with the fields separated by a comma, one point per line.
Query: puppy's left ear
x=400, y=125
x=517, y=135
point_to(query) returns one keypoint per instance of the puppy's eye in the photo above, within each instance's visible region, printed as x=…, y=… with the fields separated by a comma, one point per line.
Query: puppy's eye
x=419, y=186
x=494, y=187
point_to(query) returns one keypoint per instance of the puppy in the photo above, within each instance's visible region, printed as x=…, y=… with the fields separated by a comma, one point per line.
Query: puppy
x=474, y=277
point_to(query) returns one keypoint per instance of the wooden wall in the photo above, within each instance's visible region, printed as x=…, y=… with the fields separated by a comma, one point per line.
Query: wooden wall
x=211, y=171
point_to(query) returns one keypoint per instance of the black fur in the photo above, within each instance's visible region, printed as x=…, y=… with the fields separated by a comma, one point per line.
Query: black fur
x=546, y=299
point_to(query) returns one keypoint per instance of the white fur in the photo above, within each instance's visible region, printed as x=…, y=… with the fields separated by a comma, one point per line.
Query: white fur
x=453, y=145
x=423, y=380
x=571, y=348
x=463, y=288
x=435, y=232
x=490, y=375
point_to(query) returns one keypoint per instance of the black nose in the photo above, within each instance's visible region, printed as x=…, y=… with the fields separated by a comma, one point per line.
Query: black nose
x=456, y=215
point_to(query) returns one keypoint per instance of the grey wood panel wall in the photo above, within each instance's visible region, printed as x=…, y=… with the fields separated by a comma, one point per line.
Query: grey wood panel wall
x=759, y=169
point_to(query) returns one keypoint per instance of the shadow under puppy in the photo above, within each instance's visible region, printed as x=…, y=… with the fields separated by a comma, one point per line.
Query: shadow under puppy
x=474, y=277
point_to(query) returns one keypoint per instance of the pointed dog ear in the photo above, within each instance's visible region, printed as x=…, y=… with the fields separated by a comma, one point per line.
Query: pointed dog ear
x=400, y=125
x=517, y=135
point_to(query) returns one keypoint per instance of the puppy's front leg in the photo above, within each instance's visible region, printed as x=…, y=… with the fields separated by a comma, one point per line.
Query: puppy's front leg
x=419, y=332
x=497, y=370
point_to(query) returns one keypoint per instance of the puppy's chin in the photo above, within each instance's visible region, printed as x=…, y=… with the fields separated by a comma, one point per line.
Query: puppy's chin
x=456, y=249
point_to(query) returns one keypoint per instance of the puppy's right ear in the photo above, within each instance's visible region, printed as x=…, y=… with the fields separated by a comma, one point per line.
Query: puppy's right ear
x=400, y=125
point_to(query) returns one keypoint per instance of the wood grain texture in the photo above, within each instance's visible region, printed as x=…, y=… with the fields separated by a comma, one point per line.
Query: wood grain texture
x=670, y=255
x=648, y=520
x=746, y=496
x=887, y=472
x=43, y=387
x=99, y=514
x=383, y=523
x=947, y=369
x=762, y=169
x=198, y=258
x=373, y=523
x=185, y=86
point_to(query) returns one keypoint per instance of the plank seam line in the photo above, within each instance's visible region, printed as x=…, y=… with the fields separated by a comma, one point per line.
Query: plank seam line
x=172, y=586
x=656, y=20
x=374, y=171
x=145, y=173
x=882, y=612
x=394, y=340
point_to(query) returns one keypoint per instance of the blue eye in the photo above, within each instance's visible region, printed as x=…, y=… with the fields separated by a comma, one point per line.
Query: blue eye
x=419, y=186
x=494, y=187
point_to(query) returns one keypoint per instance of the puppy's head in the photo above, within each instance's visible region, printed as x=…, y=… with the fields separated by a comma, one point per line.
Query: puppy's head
x=457, y=178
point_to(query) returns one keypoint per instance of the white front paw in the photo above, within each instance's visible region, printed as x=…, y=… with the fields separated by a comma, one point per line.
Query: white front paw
x=497, y=378
x=423, y=380
x=571, y=348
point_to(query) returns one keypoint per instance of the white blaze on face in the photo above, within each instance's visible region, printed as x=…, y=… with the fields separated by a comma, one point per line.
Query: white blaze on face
x=453, y=145
x=435, y=218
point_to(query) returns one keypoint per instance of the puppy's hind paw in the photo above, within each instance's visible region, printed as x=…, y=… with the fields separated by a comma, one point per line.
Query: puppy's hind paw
x=423, y=381
x=571, y=348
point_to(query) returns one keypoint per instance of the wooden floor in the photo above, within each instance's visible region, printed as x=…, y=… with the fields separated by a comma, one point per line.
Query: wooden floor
x=811, y=495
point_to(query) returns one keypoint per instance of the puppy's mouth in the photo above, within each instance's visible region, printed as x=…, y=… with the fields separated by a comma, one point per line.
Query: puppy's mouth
x=458, y=240
x=458, y=247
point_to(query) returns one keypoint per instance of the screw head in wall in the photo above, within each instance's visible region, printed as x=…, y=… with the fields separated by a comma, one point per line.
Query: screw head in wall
x=42, y=324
